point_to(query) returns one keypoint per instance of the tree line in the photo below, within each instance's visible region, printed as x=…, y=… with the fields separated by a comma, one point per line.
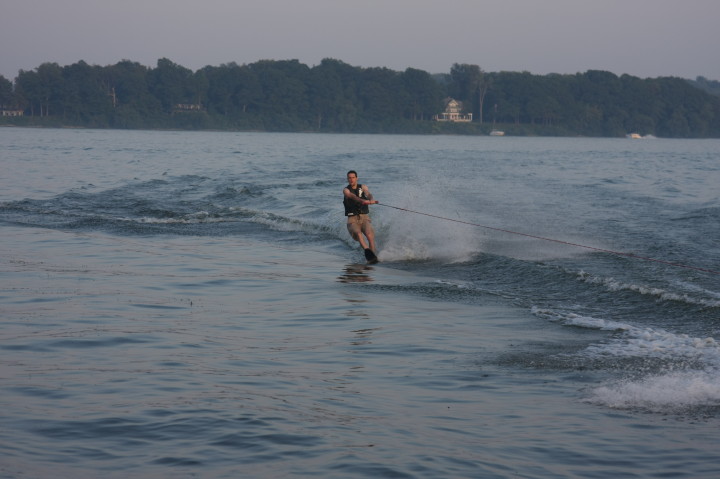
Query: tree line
x=333, y=96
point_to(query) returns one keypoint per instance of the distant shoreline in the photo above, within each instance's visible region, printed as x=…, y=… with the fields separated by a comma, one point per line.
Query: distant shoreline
x=335, y=97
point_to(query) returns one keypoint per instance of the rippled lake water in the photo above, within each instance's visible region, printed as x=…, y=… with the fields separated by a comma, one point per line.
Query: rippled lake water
x=189, y=304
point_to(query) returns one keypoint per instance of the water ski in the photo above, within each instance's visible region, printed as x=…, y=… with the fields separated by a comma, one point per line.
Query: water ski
x=370, y=256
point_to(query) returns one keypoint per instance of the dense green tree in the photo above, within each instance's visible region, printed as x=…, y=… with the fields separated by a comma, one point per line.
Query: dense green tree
x=41, y=90
x=377, y=93
x=423, y=95
x=284, y=100
x=87, y=97
x=172, y=84
x=133, y=106
x=221, y=86
x=470, y=84
x=506, y=97
x=710, y=86
x=248, y=93
x=7, y=97
x=334, y=96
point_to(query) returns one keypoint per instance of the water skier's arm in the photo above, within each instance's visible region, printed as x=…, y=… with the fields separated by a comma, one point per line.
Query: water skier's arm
x=371, y=200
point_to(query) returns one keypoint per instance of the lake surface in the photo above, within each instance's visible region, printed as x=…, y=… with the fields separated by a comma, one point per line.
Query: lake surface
x=190, y=304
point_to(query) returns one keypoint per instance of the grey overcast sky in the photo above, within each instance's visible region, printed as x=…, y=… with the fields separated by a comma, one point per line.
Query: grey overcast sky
x=645, y=38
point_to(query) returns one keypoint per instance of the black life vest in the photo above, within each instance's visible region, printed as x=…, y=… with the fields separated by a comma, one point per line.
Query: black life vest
x=353, y=207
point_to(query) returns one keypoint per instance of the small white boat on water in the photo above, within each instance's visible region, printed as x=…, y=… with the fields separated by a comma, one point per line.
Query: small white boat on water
x=497, y=133
x=633, y=136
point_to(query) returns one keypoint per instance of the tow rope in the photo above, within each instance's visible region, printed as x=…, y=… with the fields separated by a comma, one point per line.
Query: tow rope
x=619, y=253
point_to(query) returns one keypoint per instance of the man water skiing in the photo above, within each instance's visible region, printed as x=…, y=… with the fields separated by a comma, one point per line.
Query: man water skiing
x=356, y=199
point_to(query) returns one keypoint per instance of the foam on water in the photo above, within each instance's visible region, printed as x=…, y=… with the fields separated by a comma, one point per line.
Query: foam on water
x=670, y=392
x=407, y=236
x=192, y=218
x=612, y=284
x=689, y=375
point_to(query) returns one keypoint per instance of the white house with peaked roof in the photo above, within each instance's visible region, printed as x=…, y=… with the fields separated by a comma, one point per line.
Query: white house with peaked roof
x=453, y=112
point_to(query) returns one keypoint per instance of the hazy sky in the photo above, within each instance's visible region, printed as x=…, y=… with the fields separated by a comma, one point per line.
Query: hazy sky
x=645, y=38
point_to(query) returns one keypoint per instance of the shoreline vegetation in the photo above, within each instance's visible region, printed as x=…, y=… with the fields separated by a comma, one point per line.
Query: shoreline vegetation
x=335, y=97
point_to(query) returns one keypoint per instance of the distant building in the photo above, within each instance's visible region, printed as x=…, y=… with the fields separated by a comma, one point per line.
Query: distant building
x=11, y=112
x=453, y=112
x=183, y=107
